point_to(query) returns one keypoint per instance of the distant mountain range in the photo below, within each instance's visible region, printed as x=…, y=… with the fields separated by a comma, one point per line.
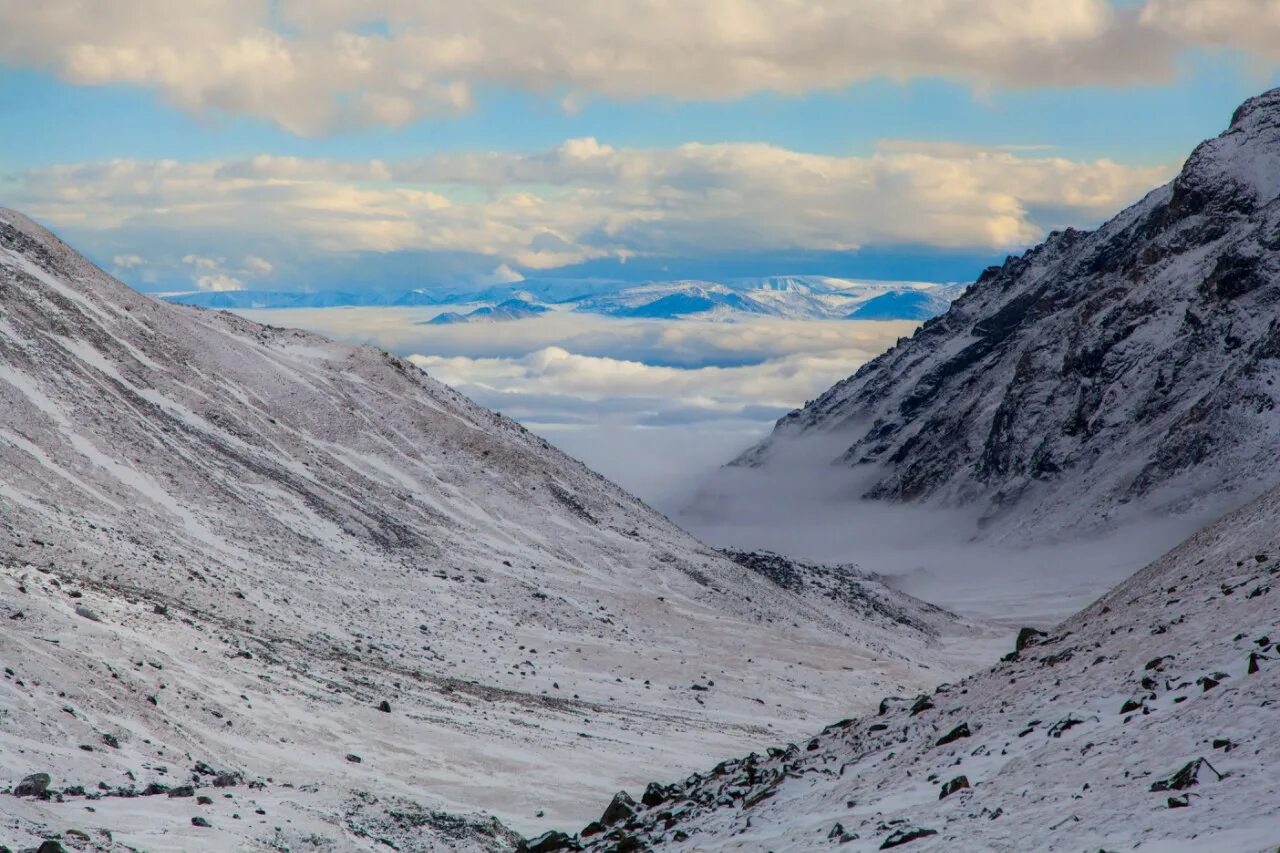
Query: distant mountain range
x=787, y=297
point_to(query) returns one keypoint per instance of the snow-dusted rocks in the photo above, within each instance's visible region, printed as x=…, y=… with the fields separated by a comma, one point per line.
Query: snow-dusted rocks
x=1099, y=376
x=276, y=534
x=1146, y=721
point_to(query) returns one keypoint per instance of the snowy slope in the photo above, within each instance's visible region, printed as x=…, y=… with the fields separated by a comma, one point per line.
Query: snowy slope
x=1146, y=721
x=1102, y=375
x=224, y=545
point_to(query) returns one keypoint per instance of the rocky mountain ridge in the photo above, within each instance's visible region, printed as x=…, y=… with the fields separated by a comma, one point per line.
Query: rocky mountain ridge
x=1101, y=375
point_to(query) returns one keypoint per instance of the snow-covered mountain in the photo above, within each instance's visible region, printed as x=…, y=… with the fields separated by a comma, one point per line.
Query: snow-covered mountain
x=511, y=309
x=1100, y=375
x=792, y=297
x=259, y=590
x=1146, y=721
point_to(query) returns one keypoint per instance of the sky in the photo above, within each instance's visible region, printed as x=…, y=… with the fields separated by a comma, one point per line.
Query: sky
x=303, y=144
x=389, y=145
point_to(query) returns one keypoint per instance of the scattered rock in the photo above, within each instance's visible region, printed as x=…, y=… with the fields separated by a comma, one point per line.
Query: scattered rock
x=956, y=784
x=621, y=808
x=384, y=706
x=86, y=613
x=353, y=758
x=199, y=821
x=1184, y=778
x=1028, y=637
x=955, y=734
x=654, y=795
x=32, y=786
x=549, y=842
x=906, y=835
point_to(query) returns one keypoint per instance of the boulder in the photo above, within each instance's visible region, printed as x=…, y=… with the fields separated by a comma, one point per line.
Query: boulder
x=620, y=808
x=32, y=786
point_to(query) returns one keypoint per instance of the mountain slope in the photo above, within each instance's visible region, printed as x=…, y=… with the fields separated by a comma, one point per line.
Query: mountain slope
x=1101, y=375
x=1145, y=721
x=225, y=545
x=511, y=309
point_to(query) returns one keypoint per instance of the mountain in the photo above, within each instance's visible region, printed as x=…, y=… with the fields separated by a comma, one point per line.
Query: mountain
x=1098, y=377
x=902, y=305
x=511, y=309
x=1145, y=721
x=791, y=297
x=346, y=607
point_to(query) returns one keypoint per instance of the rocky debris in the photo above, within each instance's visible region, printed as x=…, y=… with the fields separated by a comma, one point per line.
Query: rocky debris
x=620, y=808
x=200, y=822
x=549, y=842
x=87, y=613
x=954, y=785
x=51, y=846
x=654, y=795
x=32, y=786
x=1188, y=776
x=906, y=835
x=1028, y=637
x=954, y=735
x=384, y=706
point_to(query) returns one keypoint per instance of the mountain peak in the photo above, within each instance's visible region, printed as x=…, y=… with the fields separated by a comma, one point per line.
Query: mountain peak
x=1101, y=374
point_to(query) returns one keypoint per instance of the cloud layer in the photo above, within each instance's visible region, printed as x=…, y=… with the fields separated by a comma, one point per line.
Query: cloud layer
x=585, y=200
x=313, y=66
x=651, y=404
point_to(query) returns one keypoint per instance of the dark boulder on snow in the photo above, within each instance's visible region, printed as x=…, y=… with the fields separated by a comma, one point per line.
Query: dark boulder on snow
x=956, y=784
x=621, y=808
x=1028, y=637
x=549, y=842
x=32, y=786
x=954, y=735
x=906, y=835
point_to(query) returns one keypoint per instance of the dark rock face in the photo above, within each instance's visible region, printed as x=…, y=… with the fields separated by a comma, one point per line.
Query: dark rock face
x=32, y=786
x=621, y=808
x=1148, y=341
x=903, y=836
x=956, y=784
x=954, y=735
x=549, y=842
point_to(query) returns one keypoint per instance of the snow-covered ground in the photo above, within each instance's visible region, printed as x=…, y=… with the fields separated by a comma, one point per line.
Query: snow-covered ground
x=224, y=545
x=1146, y=721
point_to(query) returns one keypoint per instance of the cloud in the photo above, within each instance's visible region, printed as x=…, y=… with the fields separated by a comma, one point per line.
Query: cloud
x=128, y=261
x=652, y=404
x=585, y=200
x=201, y=263
x=253, y=265
x=211, y=274
x=313, y=66
x=218, y=281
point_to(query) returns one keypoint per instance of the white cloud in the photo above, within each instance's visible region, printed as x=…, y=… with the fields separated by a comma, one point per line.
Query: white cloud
x=128, y=261
x=314, y=65
x=585, y=200
x=218, y=281
x=255, y=266
x=201, y=263
x=649, y=403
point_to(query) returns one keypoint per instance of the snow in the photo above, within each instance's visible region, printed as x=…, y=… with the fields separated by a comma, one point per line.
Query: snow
x=295, y=530
x=1207, y=608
